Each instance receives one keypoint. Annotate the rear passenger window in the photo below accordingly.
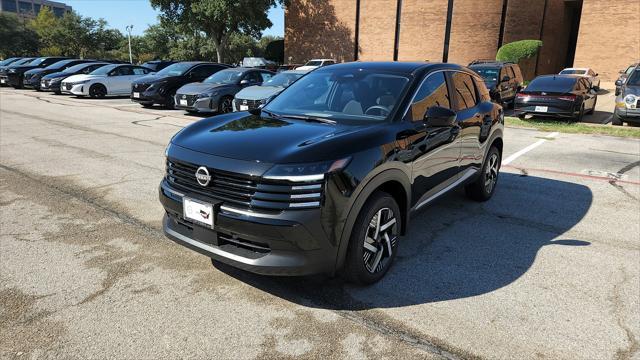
(140, 71)
(433, 92)
(465, 91)
(483, 92)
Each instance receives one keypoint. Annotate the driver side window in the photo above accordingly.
(432, 92)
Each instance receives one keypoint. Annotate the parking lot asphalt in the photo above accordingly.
(549, 268)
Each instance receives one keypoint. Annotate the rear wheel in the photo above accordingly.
(580, 115)
(97, 91)
(374, 240)
(483, 188)
(169, 102)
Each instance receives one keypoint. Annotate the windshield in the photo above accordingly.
(175, 69)
(552, 84)
(634, 79)
(59, 64)
(313, 63)
(490, 75)
(103, 70)
(76, 68)
(630, 69)
(37, 61)
(573, 72)
(7, 61)
(283, 79)
(344, 96)
(228, 76)
(253, 62)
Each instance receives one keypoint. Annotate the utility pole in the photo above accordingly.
(129, 28)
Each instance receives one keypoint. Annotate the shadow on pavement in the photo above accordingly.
(455, 249)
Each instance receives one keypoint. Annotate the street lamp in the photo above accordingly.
(129, 28)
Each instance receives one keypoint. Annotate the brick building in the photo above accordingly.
(28, 9)
(602, 34)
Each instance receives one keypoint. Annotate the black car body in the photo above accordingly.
(32, 78)
(503, 79)
(157, 65)
(8, 61)
(4, 78)
(323, 178)
(628, 100)
(159, 88)
(565, 96)
(51, 82)
(15, 75)
(215, 93)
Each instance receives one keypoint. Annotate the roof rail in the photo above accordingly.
(489, 61)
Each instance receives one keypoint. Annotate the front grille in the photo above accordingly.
(191, 99)
(245, 191)
(140, 87)
(46, 83)
(251, 104)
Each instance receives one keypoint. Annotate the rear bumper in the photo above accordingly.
(268, 244)
(520, 110)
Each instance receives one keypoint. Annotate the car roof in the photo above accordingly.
(294, 72)
(576, 68)
(558, 76)
(391, 66)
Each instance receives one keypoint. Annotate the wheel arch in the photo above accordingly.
(394, 182)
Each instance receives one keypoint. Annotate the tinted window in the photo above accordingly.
(634, 79)
(122, 71)
(552, 84)
(432, 92)
(204, 71)
(465, 90)
(265, 76)
(175, 69)
(253, 77)
(573, 72)
(313, 63)
(283, 79)
(227, 76)
(140, 71)
(9, 5)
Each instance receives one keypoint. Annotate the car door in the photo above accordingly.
(472, 113)
(433, 152)
(119, 81)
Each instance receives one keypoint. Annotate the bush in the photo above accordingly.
(518, 50)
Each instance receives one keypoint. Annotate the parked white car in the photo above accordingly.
(316, 63)
(584, 72)
(110, 80)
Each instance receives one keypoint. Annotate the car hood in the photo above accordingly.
(82, 77)
(258, 92)
(56, 75)
(23, 68)
(150, 79)
(244, 136)
(199, 88)
(35, 71)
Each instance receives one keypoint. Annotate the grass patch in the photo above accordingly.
(573, 128)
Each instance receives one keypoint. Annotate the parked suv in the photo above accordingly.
(32, 78)
(624, 74)
(15, 74)
(324, 177)
(159, 88)
(628, 100)
(503, 79)
(157, 65)
(4, 69)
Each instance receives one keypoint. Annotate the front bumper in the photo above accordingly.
(628, 115)
(4, 80)
(13, 79)
(77, 89)
(46, 85)
(195, 104)
(283, 243)
(32, 82)
(148, 97)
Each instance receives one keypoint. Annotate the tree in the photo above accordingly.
(46, 25)
(518, 50)
(16, 39)
(217, 19)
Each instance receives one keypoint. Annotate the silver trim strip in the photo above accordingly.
(306, 187)
(467, 174)
(305, 196)
(210, 249)
(172, 191)
(245, 212)
(300, 178)
(304, 204)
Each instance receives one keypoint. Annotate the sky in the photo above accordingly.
(140, 14)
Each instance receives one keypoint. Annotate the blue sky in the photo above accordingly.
(140, 14)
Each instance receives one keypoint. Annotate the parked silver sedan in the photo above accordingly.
(254, 96)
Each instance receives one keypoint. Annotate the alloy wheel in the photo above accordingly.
(225, 106)
(380, 240)
(491, 173)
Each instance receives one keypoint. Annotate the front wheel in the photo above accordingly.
(483, 188)
(97, 91)
(226, 105)
(373, 244)
(616, 120)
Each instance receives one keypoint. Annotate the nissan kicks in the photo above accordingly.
(323, 178)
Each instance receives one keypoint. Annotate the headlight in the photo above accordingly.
(56, 80)
(305, 172)
(80, 82)
(205, 95)
(12, 71)
(630, 99)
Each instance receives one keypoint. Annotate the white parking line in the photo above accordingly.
(516, 155)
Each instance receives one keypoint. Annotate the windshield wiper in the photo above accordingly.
(310, 118)
(271, 114)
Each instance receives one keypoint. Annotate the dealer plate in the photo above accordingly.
(136, 95)
(198, 211)
(244, 107)
(183, 102)
(542, 108)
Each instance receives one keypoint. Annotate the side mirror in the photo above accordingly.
(618, 82)
(438, 116)
(618, 92)
(506, 78)
(244, 82)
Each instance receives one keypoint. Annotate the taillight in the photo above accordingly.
(567, 98)
(521, 95)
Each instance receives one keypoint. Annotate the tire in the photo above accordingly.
(485, 185)
(580, 116)
(593, 109)
(370, 237)
(521, 116)
(147, 106)
(97, 91)
(616, 120)
(169, 102)
(225, 105)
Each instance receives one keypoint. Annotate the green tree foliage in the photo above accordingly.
(518, 50)
(16, 39)
(217, 19)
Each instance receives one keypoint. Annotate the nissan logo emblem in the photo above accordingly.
(202, 175)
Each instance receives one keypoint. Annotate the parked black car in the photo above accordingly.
(503, 79)
(15, 75)
(159, 88)
(4, 78)
(628, 100)
(8, 61)
(216, 92)
(557, 95)
(157, 65)
(324, 177)
(51, 82)
(33, 77)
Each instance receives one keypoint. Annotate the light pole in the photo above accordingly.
(129, 28)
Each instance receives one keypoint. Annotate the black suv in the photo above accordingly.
(4, 69)
(503, 79)
(157, 65)
(324, 177)
(160, 88)
(32, 78)
(15, 74)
